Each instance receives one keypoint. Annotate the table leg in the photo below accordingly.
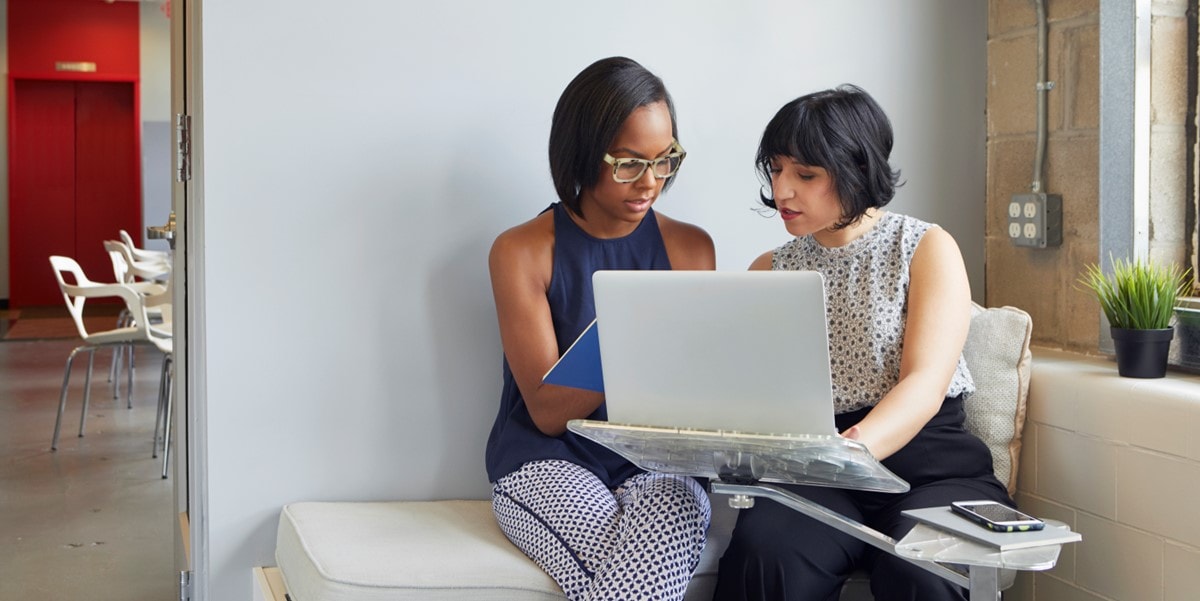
(985, 583)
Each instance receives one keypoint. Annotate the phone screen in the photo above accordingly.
(999, 513)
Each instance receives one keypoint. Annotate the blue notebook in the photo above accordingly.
(579, 367)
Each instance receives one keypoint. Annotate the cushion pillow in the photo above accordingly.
(997, 354)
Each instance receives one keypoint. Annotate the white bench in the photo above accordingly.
(428, 550)
(453, 550)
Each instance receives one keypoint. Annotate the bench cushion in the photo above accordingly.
(400, 551)
(428, 550)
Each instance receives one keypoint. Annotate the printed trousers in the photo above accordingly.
(641, 540)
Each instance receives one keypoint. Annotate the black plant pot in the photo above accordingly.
(1142, 353)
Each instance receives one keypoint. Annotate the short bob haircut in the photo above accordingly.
(843, 131)
(588, 116)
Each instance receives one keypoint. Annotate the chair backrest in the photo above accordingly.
(75, 302)
(129, 269)
(140, 254)
(118, 253)
(76, 292)
(127, 239)
(155, 293)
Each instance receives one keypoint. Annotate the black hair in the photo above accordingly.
(588, 116)
(845, 132)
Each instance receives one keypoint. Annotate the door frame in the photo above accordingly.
(190, 466)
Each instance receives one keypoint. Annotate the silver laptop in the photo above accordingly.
(723, 375)
(744, 351)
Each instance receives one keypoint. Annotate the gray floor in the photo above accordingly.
(93, 520)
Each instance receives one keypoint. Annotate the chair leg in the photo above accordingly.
(129, 381)
(62, 398)
(118, 359)
(122, 321)
(87, 390)
(112, 367)
(162, 400)
(170, 372)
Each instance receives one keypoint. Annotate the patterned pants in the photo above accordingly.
(640, 541)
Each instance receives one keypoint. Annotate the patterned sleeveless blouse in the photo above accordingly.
(866, 303)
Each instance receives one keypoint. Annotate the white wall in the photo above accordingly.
(359, 160)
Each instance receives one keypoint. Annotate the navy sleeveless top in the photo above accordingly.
(515, 440)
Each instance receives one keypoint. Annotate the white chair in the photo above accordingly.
(156, 295)
(137, 332)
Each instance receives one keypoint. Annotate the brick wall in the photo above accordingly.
(1043, 282)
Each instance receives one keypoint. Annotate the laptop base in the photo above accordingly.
(745, 458)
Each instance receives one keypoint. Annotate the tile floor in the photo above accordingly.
(93, 520)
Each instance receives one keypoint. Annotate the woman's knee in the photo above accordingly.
(680, 496)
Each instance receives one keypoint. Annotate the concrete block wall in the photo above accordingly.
(1043, 282)
(1118, 460)
(1170, 228)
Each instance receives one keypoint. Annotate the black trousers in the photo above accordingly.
(778, 553)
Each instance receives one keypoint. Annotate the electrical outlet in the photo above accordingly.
(1035, 220)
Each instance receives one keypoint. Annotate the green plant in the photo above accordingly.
(1138, 295)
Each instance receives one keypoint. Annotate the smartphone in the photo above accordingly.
(997, 516)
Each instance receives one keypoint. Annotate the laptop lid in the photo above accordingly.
(745, 351)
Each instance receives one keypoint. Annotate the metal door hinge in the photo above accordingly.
(185, 586)
(183, 153)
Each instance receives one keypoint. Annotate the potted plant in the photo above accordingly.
(1138, 298)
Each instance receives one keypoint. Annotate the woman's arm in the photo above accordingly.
(939, 315)
(763, 262)
(520, 263)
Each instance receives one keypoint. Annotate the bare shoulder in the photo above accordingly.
(524, 246)
(937, 265)
(531, 236)
(937, 246)
(763, 262)
(688, 245)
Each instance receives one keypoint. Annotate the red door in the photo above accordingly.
(74, 180)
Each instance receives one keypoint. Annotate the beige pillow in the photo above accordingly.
(997, 353)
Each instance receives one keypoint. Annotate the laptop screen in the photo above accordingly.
(742, 351)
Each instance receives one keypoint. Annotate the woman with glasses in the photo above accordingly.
(899, 307)
(602, 528)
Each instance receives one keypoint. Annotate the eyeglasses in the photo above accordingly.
(631, 170)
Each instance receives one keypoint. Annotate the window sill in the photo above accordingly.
(1084, 394)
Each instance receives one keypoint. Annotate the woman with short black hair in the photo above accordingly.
(898, 307)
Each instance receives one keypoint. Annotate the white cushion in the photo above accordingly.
(997, 354)
(401, 551)
(430, 550)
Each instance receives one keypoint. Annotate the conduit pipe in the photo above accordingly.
(1043, 88)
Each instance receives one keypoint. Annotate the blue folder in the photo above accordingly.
(579, 367)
